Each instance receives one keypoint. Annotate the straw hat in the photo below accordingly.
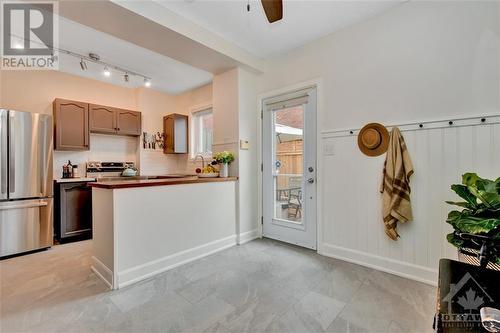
(373, 139)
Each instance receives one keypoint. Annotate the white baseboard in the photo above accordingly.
(396, 267)
(144, 271)
(248, 236)
(102, 271)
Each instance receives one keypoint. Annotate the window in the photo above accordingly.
(202, 133)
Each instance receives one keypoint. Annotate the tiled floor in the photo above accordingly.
(262, 286)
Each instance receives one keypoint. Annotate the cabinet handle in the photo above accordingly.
(118, 129)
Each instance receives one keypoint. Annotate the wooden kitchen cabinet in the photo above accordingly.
(110, 120)
(73, 121)
(71, 125)
(128, 122)
(73, 213)
(175, 127)
(102, 119)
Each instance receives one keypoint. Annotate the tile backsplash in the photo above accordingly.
(123, 149)
(102, 148)
(154, 162)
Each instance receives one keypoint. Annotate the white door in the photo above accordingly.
(289, 168)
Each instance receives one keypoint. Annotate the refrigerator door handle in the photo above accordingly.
(12, 161)
(3, 151)
(24, 205)
(26, 225)
(45, 155)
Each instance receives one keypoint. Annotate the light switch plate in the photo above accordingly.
(328, 149)
(244, 145)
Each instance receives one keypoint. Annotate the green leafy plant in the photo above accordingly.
(481, 209)
(224, 157)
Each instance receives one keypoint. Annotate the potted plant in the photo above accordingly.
(477, 225)
(224, 158)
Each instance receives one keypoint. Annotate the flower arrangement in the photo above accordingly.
(224, 157)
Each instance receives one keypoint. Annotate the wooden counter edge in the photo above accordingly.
(157, 182)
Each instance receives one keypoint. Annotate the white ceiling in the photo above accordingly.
(166, 74)
(303, 21)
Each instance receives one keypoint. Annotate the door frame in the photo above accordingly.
(313, 83)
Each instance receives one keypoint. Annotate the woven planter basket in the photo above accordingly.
(473, 260)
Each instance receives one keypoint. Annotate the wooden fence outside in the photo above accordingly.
(290, 155)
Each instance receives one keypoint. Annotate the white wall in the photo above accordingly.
(418, 61)
(184, 104)
(235, 118)
(225, 106)
(154, 105)
(248, 170)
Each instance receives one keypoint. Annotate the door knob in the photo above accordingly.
(310, 180)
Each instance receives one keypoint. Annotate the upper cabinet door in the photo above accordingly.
(71, 120)
(128, 122)
(175, 127)
(102, 119)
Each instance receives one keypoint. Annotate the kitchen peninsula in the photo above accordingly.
(130, 246)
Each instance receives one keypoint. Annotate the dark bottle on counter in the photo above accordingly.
(65, 173)
(70, 169)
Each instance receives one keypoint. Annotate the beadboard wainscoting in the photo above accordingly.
(352, 227)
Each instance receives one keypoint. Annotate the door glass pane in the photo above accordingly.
(288, 125)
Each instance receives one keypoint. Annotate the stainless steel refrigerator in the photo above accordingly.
(26, 204)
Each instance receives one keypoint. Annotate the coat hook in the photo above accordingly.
(483, 120)
(421, 125)
(450, 123)
(351, 132)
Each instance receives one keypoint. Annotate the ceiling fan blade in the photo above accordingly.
(273, 9)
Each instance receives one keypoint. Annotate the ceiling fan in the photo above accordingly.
(273, 9)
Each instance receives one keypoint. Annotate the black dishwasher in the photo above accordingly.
(73, 211)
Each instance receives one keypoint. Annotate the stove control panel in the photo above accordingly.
(95, 166)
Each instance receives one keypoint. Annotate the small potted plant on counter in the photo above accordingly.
(477, 226)
(224, 159)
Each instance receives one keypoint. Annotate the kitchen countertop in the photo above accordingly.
(131, 217)
(117, 184)
(74, 180)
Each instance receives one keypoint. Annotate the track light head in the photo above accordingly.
(106, 71)
(147, 82)
(94, 56)
(83, 65)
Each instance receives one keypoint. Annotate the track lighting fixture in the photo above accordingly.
(106, 71)
(96, 59)
(83, 65)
